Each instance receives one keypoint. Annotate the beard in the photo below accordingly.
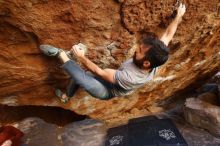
(138, 63)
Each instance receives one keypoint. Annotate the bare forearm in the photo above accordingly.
(171, 30)
(106, 74)
(90, 65)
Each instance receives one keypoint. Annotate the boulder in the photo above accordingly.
(209, 98)
(203, 114)
(82, 133)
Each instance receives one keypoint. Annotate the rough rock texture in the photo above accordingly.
(194, 136)
(203, 114)
(83, 133)
(108, 28)
(203, 111)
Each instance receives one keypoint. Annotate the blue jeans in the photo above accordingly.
(94, 85)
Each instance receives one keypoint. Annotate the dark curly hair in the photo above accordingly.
(158, 52)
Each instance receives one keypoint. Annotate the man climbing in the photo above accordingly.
(132, 74)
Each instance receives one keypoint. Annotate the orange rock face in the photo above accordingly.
(107, 28)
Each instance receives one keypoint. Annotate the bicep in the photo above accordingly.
(125, 79)
(108, 75)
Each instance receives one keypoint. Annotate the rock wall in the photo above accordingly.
(108, 28)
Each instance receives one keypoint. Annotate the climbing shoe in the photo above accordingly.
(49, 50)
(59, 94)
(53, 51)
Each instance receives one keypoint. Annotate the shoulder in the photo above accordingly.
(126, 64)
(129, 61)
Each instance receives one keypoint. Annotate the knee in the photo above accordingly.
(99, 93)
(103, 97)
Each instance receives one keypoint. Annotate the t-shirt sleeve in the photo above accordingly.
(155, 71)
(124, 79)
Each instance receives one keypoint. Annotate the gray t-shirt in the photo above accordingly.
(130, 77)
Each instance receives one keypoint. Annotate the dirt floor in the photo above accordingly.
(193, 135)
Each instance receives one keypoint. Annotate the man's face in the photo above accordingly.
(139, 55)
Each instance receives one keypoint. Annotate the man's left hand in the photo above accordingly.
(181, 10)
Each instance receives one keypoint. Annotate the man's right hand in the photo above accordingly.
(181, 10)
(79, 53)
